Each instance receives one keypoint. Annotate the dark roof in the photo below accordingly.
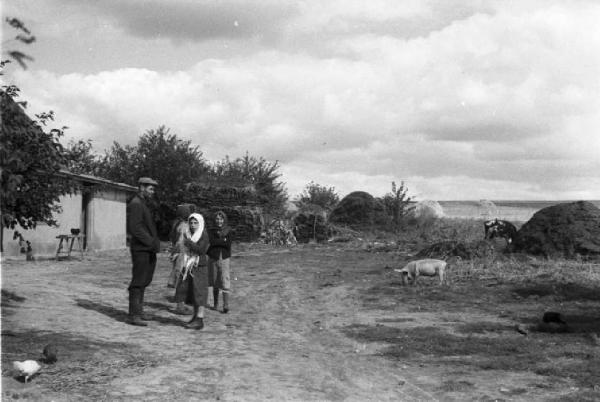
(86, 178)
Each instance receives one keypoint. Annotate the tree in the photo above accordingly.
(81, 158)
(159, 154)
(257, 172)
(317, 195)
(30, 158)
(397, 204)
(171, 161)
(23, 36)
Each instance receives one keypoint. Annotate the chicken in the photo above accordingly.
(27, 368)
(49, 354)
(551, 316)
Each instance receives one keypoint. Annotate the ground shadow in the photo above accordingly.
(121, 315)
(110, 311)
(9, 297)
(10, 300)
(159, 306)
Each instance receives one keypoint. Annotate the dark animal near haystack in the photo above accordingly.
(499, 228)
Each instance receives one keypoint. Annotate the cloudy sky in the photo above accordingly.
(459, 99)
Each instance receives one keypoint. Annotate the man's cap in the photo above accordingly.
(147, 180)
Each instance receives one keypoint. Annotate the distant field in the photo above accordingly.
(517, 211)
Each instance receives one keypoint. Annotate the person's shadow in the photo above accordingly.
(121, 316)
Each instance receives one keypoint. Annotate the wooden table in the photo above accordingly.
(68, 248)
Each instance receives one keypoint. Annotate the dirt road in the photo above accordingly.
(291, 334)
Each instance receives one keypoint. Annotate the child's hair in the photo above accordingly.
(221, 214)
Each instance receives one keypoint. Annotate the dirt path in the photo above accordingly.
(280, 341)
(285, 338)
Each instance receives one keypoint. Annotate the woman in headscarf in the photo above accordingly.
(193, 284)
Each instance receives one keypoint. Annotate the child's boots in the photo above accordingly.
(225, 302)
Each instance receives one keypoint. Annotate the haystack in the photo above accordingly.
(426, 210)
(358, 210)
(487, 209)
(563, 230)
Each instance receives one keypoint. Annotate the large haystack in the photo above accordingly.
(359, 209)
(563, 230)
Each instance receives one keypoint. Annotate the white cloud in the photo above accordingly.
(494, 102)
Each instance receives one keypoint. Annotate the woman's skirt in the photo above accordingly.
(194, 288)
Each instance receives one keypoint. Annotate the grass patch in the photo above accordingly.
(585, 372)
(566, 358)
(402, 319)
(418, 341)
(483, 327)
(560, 291)
(456, 386)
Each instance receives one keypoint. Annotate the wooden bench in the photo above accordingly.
(68, 248)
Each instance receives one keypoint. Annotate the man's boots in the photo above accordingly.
(143, 315)
(225, 302)
(135, 308)
(216, 297)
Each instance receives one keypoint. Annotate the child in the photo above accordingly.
(219, 255)
(193, 285)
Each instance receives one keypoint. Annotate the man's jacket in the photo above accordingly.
(141, 226)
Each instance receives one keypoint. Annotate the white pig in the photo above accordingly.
(429, 267)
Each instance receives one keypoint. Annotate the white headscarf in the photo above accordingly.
(191, 260)
(198, 233)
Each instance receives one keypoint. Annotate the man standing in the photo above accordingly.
(144, 244)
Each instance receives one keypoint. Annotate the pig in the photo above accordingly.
(428, 267)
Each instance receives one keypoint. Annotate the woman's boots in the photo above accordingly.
(197, 321)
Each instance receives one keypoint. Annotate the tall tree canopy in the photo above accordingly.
(257, 172)
(31, 160)
(172, 161)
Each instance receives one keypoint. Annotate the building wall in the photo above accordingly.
(43, 237)
(106, 225)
